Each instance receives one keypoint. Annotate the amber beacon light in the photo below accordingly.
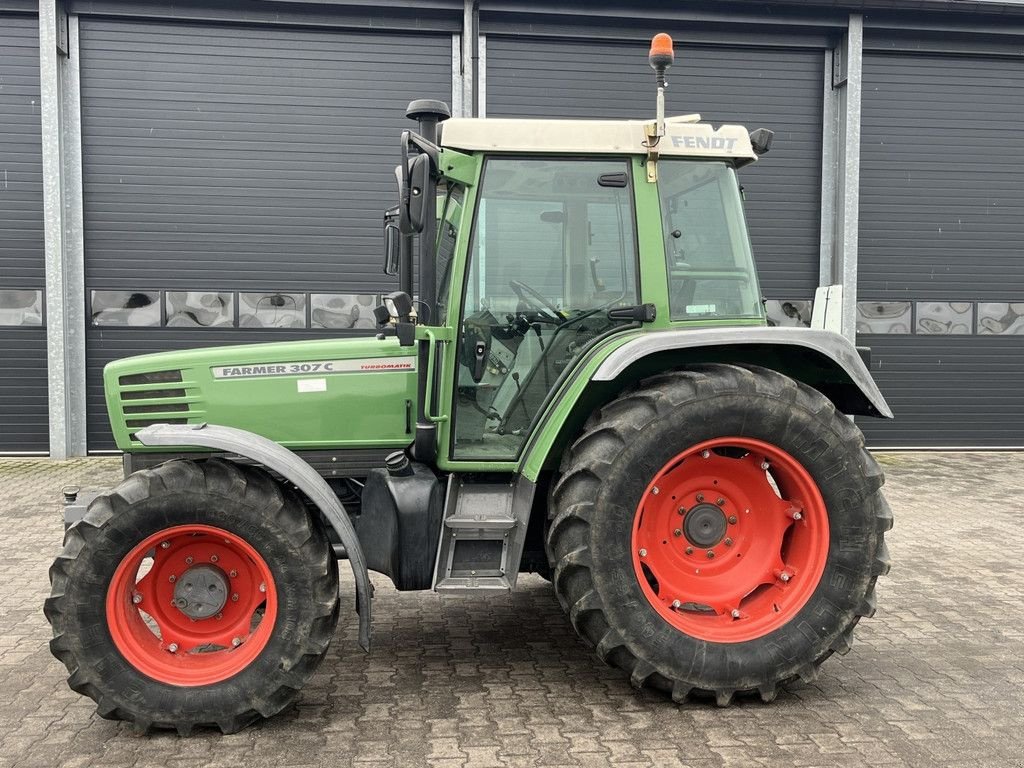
(661, 57)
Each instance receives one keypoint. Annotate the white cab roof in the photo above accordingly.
(684, 136)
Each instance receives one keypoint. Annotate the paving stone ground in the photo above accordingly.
(935, 679)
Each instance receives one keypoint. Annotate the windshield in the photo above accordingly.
(710, 266)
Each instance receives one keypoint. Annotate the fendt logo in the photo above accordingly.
(704, 142)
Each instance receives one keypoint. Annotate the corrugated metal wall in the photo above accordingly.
(23, 392)
(775, 88)
(231, 158)
(941, 238)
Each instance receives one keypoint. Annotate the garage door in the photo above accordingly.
(235, 179)
(780, 89)
(23, 393)
(941, 285)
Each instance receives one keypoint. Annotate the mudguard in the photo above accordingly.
(827, 346)
(296, 471)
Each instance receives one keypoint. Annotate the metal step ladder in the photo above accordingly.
(482, 535)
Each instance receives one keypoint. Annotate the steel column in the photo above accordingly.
(840, 183)
(60, 113)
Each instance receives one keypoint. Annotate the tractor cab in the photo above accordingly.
(552, 234)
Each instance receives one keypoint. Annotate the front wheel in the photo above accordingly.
(193, 594)
(718, 531)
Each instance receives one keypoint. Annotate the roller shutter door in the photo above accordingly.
(774, 88)
(235, 179)
(941, 283)
(23, 392)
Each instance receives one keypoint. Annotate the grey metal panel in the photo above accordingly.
(948, 391)
(942, 220)
(21, 169)
(244, 157)
(239, 158)
(23, 390)
(942, 214)
(774, 88)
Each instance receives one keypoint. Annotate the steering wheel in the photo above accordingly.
(539, 301)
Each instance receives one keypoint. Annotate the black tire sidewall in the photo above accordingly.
(833, 464)
(90, 578)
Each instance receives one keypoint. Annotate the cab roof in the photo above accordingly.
(685, 136)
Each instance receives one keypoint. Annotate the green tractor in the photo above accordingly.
(585, 387)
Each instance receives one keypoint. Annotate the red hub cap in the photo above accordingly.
(191, 605)
(730, 539)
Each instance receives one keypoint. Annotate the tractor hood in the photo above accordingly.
(329, 394)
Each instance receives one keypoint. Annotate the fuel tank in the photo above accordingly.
(329, 393)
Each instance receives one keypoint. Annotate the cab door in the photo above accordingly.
(553, 249)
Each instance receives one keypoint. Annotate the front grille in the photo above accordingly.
(154, 377)
(146, 403)
(149, 394)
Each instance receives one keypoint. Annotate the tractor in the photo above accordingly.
(580, 382)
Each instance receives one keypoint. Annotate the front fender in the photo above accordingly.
(821, 359)
(293, 469)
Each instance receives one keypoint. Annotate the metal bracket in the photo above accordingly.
(293, 469)
(653, 139)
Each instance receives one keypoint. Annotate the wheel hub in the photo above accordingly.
(201, 592)
(704, 525)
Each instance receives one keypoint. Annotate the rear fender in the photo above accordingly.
(820, 359)
(293, 469)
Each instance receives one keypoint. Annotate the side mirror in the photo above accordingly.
(761, 140)
(392, 242)
(415, 202)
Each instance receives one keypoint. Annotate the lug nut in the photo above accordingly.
(214, 558)
(172, 578)
(233, 574)
(732, 519)
(764, 465)
(681, 510)
(797, 516)
(173, 647)
(705, 454)
(677, 532)
(136, 598)
(689, 550)
(710, 553)
(236, 641)
(263, 587)
(188, 560)
(720, 501)
(700, 497)
(676, 604)
(234, 598)
(643, 553)
(728, 542)
(784, 577)
(735, 613)
(219, 616)
(655, 490)
(165, 545)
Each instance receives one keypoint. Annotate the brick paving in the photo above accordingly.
(935, 679)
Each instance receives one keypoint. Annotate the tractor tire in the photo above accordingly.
(233, 615)
(718, 531)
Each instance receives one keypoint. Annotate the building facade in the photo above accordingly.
(203, 173)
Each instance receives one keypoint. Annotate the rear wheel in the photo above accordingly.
(718, 531)
(193, 594)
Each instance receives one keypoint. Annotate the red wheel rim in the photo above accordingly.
(158, 634)
(730, 539)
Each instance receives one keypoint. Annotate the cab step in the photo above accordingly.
(482, 536)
